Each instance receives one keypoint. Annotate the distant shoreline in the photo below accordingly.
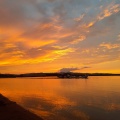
(52, 74)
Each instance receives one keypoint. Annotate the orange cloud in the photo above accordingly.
(64, 51)
(79, 18)
(39, 43)
(90, 24)
(19, 57)
(33, 34)
(110, 46)
(80, 38)
(118, 38)
(111, 9)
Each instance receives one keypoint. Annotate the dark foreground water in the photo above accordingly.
(96, 98)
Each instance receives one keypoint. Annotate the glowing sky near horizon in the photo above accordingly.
(47, 35)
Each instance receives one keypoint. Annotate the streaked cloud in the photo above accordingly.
(47, 31)
(77, 40)
(110, 46)
(66, 70)
(109, 10)
(118, 38)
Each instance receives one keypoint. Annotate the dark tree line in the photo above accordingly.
(52, 74)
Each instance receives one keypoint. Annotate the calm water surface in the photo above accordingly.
(96, 98)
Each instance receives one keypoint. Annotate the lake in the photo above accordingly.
(95, 98)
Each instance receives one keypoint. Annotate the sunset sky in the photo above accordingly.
(47, 35)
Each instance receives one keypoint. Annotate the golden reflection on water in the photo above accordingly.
(66, 99)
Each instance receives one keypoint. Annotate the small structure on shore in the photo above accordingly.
(66, 73)
(72, 75)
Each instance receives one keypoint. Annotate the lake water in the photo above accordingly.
(95, 98)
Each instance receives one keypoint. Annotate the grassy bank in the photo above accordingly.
(10, 110)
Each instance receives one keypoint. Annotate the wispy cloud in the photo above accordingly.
(43, 31)
(77, 40)
(110, 46)
(65, 70)
(109, 10)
